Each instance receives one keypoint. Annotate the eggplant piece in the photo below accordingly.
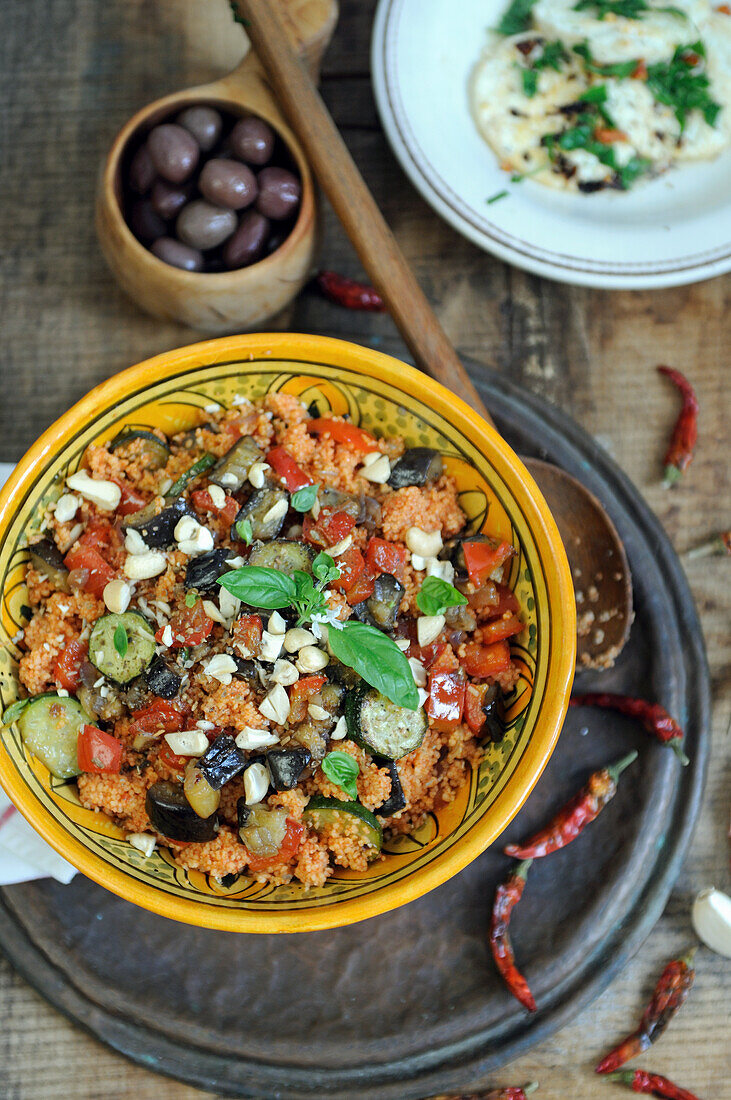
(222, 760)
(263, 513)
(493, 707)
(312, 736)
(47, 559)
(331, 695)
(261, 829)
(370, 515)
(162, 680)
(203, 571)
(158, 527)
(171, 814)
(248, 670)
(417, 466)
(136, 694)
(396, 800)
(155, 453)
(283, 555)
(342, 675)
(229, 880)
(231, 471)
(461, 617)
(363, 614)
(365, 510)
(286, 767)
(383, 605)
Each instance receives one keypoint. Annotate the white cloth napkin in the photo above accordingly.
(24, 855)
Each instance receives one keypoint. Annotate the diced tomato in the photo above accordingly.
(343, 433)
(640, 72)
(287, 849)
(160, 716)
(171, 759)
(474, 715)
(328, 530)
(67, 670)
(605, 135)
(100, 534)
(507, 601)
(130, 501)
(286, 468)
(202, 502)
(100, 574)
(498, 629)
(386, 557)
(361, 589)
(351, 565)
(98, 751)
(247, 635)
(443, 660)
(300, 695)
(483, 661)
(446, 699)
(482, 558)
(189, 626)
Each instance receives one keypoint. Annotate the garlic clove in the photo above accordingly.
(711, 917)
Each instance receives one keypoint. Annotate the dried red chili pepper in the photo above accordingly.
(507, 896)
(721, 544)
(672, 988)
(515, 1092)
(651, 1084)
(685, 432)
(350, 293)
(653, 717)
(599, 789)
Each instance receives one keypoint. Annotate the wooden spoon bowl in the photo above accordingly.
(218, 303)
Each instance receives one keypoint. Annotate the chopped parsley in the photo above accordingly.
(551, 56)
(679, 85)
(629, 9)
(582, 136)
(516, 18)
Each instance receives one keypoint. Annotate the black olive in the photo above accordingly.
(161, 679)
(203, 571)
(221, 761)
(158, 531)
(286, 767)
(396, 799)
(417, 466)
(171, 814)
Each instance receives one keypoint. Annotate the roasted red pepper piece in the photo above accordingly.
(100, 573)
(349, 292)
(328, 529)
(482, 661)
(497, 630)
(189, 626)
(583, 808)
(507, 602)
(130, 501)
(98, 751)
(685, 433)
(342, 432)
(653, 717)
(100, 534)
(482, 558)
(300, 695)
(287, 849)
(67, 670)
(474, 715)
(203, 502)
(386, 557)
(361, 589)
(446, 699)
(507, 896)
(285, 467)
(651, 1084)
(171, 759)
(160, 717)
(248, 630)
(351, 565)
(670, 992)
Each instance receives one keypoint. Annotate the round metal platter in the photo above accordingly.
(408, 1004)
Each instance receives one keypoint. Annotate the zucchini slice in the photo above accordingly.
(50, 726)
(122, 662)
(231, 471)
(282, 555)
(324, 813)
(155, 452)
(381, 727)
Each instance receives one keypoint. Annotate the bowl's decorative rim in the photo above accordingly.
(561, 625)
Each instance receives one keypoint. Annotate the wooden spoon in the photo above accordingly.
(588, 534)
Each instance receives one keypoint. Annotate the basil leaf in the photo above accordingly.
(121, 641)
(260, 587)
(245, 531)
(14, 711)
(190, 599)
(342, 770)
(516, 18)
(325, 569)
(304, 498)
(376, 658)
(436, 595)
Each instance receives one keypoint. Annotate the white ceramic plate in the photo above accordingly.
(672, 230)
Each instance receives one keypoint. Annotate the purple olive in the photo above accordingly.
(174, 152)
(252, 140)
(167, 199)
(144, 222)
(141, 171)
(202, 225)
(279, 193)
(204, 123)
(248, 242)
(228, 183)
(179, 255)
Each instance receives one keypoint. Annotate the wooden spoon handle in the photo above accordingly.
(353, 203)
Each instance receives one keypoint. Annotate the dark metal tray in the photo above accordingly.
(408, 1004)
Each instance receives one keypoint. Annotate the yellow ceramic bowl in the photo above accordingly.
(172, 391)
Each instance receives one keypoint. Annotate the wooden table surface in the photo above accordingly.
(72, 71)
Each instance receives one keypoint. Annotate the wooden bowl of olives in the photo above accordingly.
(206, 208)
